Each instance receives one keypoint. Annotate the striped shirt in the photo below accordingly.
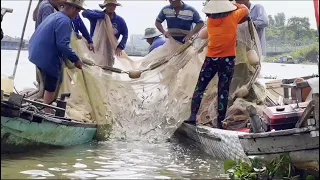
(179, 25)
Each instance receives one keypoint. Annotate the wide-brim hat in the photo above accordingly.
(77, 3)
(151, 33)
(106, 2)
(218, 6)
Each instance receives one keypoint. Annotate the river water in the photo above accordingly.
(118, 159)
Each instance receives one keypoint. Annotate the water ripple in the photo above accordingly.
(114, 160)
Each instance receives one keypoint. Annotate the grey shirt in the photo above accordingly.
(45, 9)
(260, 20)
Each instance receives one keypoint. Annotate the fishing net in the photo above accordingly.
(153, 106)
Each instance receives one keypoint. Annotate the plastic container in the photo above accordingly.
(282, 117)
(6, 84)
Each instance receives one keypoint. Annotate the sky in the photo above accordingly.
(142, 14)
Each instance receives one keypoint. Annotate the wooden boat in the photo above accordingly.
(24, 127)
(302, 143)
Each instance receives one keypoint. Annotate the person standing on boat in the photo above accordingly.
(47, 7)
(260, 20)
(223, 18)
(50, 43)
(78, 25)
(154, 38)
(35, 11)
(180, 18)
(118, 23)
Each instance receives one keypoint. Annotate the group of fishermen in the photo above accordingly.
(50, 42)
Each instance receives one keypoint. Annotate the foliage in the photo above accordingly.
(293, 29)
(278, 168)
(309, 53)
(305, 54)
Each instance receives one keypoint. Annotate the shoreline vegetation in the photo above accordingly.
(292, 37)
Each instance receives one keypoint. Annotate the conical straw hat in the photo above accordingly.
(218, 6)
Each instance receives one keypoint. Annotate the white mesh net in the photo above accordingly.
(154, 105)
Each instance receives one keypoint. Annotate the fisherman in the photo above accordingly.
(260, 20)
(50, 42)
(118, 23)
(78, 25)
(180, 18)
(223, 18)
(35, 11)
(47, 7)
(154, 38)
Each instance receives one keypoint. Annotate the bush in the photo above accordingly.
(307, 54)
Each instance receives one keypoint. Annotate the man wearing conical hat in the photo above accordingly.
(118, 23)
(223, 19)
(180, 19)
(153, 37)
(50, 43)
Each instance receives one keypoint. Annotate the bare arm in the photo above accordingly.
(198, 21)
(197, 28)
(204, 33)
(159, 27)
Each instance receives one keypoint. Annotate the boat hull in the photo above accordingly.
(213, 141)
(19, 135)
(224, 144)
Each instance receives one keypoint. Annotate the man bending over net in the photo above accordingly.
(49, 43)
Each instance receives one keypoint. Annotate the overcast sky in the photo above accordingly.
(142, 14)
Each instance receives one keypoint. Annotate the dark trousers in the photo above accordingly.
(225, 68)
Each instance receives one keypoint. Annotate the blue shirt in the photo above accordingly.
(80, 26)
(118, 23)
(50, 42)
(45, 9)
(158, 41)
(179, 24)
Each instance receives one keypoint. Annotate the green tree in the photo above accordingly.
(271, 20)
(301, 27)
(280, 19)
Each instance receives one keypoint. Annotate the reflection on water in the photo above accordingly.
(113, 160)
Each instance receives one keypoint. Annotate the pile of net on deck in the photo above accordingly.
(155, 105)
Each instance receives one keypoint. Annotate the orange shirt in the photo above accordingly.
(223, 33)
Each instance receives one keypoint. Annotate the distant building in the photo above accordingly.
(10, 43)
(137, 46)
